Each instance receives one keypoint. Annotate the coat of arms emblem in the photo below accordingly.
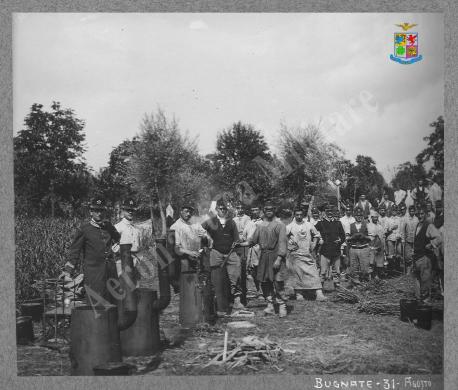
(406, 45)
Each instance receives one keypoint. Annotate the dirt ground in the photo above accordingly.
(317, 338)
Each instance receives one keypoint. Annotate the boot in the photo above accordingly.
(237, 304)
(269, 309)
(320, 296)
(282, 310)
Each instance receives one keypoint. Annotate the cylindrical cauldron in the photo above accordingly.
(24, 330)
(143, 337)
(95, 338)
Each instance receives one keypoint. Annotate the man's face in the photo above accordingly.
(186, 214)
(127, 214)
(96, 215)
(329, 213)
(315, 215)
(382, 212)
(429, 206)
(348, 211)
(362, 198)
(255, 212)
(359, 216)
(269, 212)
(420, 183)
(394, 212)
(421, 215)
(385, 196)
(402, 210)
(374, 219)
(412, 212)
(239, 209)
(299, 216)
(222, 211)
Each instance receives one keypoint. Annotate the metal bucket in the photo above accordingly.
(407, 309)
(424, 316)
(94, 338)
(34, 310)
(24, 330)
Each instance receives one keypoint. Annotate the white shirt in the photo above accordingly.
(129, 234)
(241, 222)
(346, 222)
(187, 235)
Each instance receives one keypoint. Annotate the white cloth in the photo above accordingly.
(409, 200)
(346, 222)
(391, 223)
(399, 196)
(435, 193)
(129, 234)
(169, 211)
(241, 223)
(255, 251)
(187, 235)
(302, 234)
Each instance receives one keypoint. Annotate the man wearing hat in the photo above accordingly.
(302, 271)
(94, 241)
(427, 239)
(364, 205)
(407, 231)
(393, 237)
(271, 237)
(359, 248)
(333, 237)
(129, 233)
(386, 202)
(377, 246)
(223, 231)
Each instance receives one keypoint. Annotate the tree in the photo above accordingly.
(407, 174)
(165, 167)
(114, 182)
(364, 178)
(308, 162)
(234, 165)
(49, 167)
(434, 151)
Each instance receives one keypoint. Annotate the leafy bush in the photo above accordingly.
(41, 248)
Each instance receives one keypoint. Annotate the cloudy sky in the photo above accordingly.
(210, 70)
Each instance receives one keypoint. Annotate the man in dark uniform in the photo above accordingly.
(94, 240)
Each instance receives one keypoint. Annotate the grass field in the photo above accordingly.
(320, 338)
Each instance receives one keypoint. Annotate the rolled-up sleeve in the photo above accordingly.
(282, 241)
(434, 235)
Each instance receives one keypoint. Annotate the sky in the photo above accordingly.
(211, 70)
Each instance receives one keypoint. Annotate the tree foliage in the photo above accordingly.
(308, 162)
(434, 151)
(49, 168)
(234, 162)
(407, 175)
(165, 167)
(364, 178)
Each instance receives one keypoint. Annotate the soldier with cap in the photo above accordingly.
(333, 237)
(94, 241)
(271, 237)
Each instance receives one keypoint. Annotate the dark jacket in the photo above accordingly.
(330, 231)
(223, 237)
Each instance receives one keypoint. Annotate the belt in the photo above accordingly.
(360, 246)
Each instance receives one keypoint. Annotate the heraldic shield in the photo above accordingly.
(406, 48)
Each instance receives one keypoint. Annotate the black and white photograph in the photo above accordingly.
(230, 194)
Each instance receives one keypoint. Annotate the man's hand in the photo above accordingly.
(193, 254)
(65, 276)
(277, 263)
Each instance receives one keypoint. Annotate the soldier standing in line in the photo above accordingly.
(94, 240)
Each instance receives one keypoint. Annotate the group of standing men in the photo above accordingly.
(299, 254)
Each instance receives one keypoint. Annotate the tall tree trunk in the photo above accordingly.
(163, 221)
(53, 200)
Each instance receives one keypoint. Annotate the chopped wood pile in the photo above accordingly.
(247, 352)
